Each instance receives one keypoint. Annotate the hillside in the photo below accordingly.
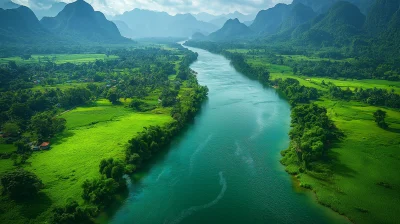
(380, 15)
(50, 12)
(232, 29)
(7, 4)
(322, 6)
(79, 21)
(338, 26)
(268, 21)
(20, 25)
(145, 23)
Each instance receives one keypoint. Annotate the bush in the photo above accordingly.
(72, 213)
(21, 184)
(100, 191)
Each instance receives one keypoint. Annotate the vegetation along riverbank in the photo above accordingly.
(102, 118)
(337, 149)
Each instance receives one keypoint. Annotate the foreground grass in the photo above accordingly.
(364, 184)
(93, 133)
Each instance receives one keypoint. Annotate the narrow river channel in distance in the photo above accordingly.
(225, 167)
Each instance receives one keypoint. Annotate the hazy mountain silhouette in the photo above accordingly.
(79, 21)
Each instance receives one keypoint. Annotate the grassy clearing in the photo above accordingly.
(59, 58)
(93, 133)
(313, 58)
(365, 185)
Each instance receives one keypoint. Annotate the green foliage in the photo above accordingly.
(100, 192)
(111, 168)
(113, 96)
(21, 184)
(73, 213)
(380, 117)
(295, 92)
(312, 133)
(45, 125)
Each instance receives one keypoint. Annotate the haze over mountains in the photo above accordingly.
(303, 21)
(76, 23)
(145, 23)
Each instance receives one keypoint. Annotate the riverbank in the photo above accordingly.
(361, 168)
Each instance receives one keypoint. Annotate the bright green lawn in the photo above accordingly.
(93, 133)
(60, 58)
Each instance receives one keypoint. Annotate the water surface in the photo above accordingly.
(225, 168)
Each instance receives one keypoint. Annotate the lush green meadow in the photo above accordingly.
(59, 58)
(365, 164)
(93, 133)
(361, 179)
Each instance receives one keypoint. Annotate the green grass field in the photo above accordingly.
(313, 58)
(365, 185)
(59, 58)
(93, 133)
(367, 157)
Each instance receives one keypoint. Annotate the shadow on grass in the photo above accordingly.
(394, 130)
(61, 138)
(34, 207)
(339, 168)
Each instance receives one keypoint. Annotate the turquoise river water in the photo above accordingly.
(225, 167)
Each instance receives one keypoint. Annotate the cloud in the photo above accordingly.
(215, 7)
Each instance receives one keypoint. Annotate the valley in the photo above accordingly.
(199, 112)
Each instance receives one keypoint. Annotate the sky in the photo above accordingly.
(216, 7)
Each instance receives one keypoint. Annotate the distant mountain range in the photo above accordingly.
(20, 25)
(7, 4)
(316, 22)
(232, 29)
(50, 12)
(145, 23)
(78, 20)
(219, 20)
(76, 23)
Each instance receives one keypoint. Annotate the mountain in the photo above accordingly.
(339, 25)
(232, 29)
(50, 12)
(123, 28)
(380, 15)
(145, 23)
(269, 21)
(322, 6)
(20, 25)
(298, 15)
(7, 4)
(78, 21)
(198, 36)
(205, 17)
(219, 22)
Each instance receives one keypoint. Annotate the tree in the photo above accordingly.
(113, 96)
(99, 191)
(72, 213)
(380, 116)
(44, 125)
(11, 129)
(20, 184)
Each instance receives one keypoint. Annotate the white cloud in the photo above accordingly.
(171, 6)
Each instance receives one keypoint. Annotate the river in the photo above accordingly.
(225, 167)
